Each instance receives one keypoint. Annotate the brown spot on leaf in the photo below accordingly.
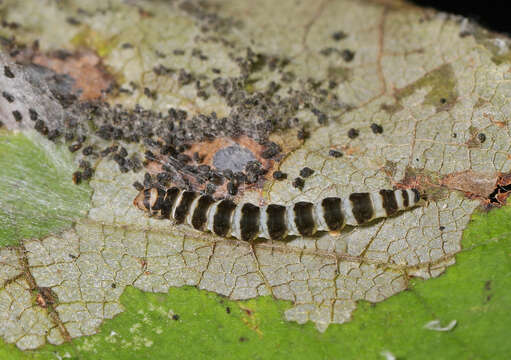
(415, 181)
(500, 124)
(473, 184)
(40, 301)
(391, 108)
(144, 13)
(85, 67)
(45, 297)
(390, 168)
(350, 150)
(475, 138)
(250, 320)
(143, 263)
(209, 149)
(491, 189)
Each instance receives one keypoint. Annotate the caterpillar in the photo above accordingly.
(246, 221)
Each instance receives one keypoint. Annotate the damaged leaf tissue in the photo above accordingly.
(197, 179)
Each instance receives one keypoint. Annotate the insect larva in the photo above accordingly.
(246, 221)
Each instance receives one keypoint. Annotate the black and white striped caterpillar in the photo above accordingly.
(246, 221)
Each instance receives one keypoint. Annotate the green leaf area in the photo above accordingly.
(188, 323)
(37, 195)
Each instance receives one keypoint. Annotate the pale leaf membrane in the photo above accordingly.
(429, 89)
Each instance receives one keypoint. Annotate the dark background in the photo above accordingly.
(493, 15)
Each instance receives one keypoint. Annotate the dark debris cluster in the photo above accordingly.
(254, 113)
(206, 16)
(185, 174)
(97, 130)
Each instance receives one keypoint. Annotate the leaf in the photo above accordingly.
(474, 293)
(439, 95)
(45, 185)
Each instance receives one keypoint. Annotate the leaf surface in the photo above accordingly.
(438, 87)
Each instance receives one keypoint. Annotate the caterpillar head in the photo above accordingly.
(421, 197)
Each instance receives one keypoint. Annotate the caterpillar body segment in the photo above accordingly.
(246, 221)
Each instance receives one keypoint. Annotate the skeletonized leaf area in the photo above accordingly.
(389, 96)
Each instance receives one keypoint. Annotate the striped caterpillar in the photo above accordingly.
(246, 221)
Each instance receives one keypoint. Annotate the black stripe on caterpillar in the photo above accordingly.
(246, 221)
